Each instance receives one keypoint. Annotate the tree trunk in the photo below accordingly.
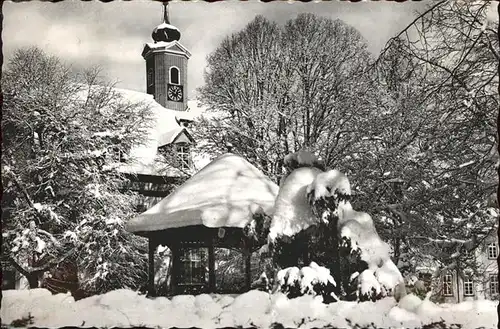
(33, 280)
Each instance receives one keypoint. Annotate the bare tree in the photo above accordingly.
(437, 165)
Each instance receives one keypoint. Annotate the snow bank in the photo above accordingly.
(125, 308)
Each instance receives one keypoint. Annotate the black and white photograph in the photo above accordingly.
(250, 164)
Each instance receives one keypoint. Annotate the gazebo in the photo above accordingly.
(208, 211)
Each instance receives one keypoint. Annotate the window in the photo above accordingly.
(448, 285)
(468, 287)
(492, 250)
(494, 284)
(183, 157)
(150, 77)
(174, 75)
(194, 265)
(229, 270)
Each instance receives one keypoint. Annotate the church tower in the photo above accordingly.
(166, 65)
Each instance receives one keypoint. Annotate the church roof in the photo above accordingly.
(174, 47)
(225, 193)
(164, 130)
(170, 136)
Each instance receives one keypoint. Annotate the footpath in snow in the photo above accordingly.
(125, 308)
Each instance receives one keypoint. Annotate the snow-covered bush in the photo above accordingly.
(258, 228)
(314, 221)
(309, 280)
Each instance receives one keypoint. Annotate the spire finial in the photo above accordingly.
(165, 31)
(165, 12)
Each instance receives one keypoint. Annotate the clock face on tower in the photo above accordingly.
(174, 93)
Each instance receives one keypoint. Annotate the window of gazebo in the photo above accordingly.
(193, 266)
(229, 270)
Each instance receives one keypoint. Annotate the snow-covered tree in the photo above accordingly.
(430, 153)
(276, 89)
(315, 224)
(423, 162)
(63, 136)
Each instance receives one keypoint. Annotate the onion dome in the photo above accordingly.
(165, 32)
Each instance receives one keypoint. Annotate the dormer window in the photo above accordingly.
(183, 156)
(492, 250)
(174, 75)
(183, 123)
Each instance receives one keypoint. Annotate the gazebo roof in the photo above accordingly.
(225, 193)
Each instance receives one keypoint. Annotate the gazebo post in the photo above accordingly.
(151, 270)
(175, 267)
(248, 278)
(211, 268)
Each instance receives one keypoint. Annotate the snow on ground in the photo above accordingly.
(125, 308)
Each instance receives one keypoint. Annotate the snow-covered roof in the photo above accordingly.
(165, 128)
(225, 193)
(166, 26)
(172, 46)
(170, 136)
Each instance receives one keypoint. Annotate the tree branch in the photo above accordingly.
(40, 269)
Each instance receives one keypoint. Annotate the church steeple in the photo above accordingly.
(167, 65)
(165, 31)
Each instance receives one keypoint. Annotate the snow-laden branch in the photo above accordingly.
(449, 242)
(50, 236)
(30, 270)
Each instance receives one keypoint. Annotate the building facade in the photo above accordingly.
(477, 282)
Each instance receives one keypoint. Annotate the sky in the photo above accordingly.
(112, 35)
